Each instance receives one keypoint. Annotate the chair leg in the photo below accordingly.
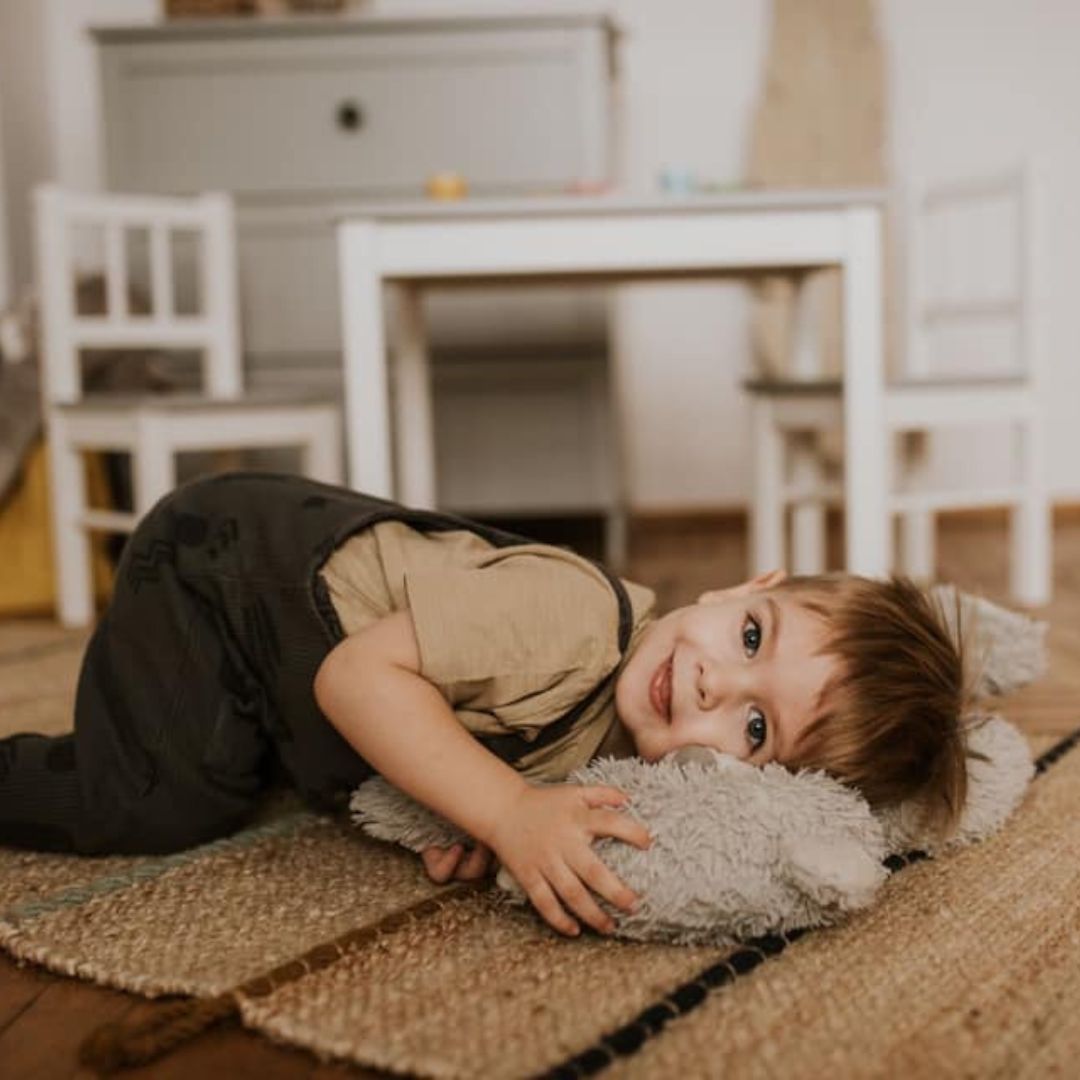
(72, 557)
(918, 545)
(611, 421)
(918, 539)
(767, 499)
(808, 538)
(807, 517)
(1031, 554)
(413, 420)
(322, 452)
(616, 538)
(153, 466)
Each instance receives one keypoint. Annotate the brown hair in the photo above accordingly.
(890, 723)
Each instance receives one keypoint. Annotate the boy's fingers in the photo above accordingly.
(547, 904)
(604, 796)
(622, 827)
(582, 903)
(432, 864)
(605, 883)
(474, 865)
(440, 863)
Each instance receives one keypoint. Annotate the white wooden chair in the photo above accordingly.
(152, 428)
(970, 263)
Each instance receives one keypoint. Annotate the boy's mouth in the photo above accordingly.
(660, 690)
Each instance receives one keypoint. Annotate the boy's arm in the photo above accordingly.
(371, 690)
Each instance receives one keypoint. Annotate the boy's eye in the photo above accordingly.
(757, 728)
(751, 635)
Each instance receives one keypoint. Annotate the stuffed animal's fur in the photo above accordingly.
(739, 850)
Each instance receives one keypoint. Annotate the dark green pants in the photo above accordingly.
(196, 690)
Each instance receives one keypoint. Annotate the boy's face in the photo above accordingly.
(739, 672)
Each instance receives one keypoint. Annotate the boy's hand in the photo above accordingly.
(544, 839)
(442, 864)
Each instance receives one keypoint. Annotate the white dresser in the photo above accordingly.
(301, 117)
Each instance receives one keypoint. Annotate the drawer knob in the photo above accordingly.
(350, 117)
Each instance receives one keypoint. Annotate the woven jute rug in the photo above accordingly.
(299, 928)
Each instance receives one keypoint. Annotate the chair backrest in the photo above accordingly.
(970, 276)
(63, 217)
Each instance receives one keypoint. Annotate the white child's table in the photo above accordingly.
(415, 245)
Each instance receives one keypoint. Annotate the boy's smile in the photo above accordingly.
(741, 671)
(660, 689)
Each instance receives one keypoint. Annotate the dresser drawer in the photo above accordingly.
(357, 114)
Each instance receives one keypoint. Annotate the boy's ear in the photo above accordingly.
(762, 581)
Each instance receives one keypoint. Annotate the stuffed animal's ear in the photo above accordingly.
(1004, 649)
(999, 769)
(835, 871)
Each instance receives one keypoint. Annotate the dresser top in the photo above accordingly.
(291, 26)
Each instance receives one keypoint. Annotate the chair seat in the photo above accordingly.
(251, 400)
(774, 387)
(771, 386)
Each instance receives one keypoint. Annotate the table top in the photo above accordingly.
(612, 205)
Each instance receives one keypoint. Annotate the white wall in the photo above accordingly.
(27, 127)
(973, 83)
(48, 82)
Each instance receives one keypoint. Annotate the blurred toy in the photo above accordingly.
(447, 186)
(678, 182)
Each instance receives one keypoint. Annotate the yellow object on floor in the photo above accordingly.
(27, 585)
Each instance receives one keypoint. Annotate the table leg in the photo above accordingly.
(808, 521)
(767, 499)
(414, 437)
(73, 558)
(867, 526)
(617, 525)
(367, 433)
(807, 464)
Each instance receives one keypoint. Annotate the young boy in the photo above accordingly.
(266, 625)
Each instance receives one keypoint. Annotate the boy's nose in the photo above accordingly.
(716, 686)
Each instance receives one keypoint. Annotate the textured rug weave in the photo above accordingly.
(968, 964)
(206, 920)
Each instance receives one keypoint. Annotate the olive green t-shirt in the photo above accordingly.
(512, 637)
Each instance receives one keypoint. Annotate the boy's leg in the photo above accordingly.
(170, 744)
(41, 801)
(169, 747)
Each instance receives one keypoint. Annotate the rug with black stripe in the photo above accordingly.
(969, 964)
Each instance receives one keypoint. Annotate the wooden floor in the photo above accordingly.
(43, 1017)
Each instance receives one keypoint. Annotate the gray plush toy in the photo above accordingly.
(739, 850)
